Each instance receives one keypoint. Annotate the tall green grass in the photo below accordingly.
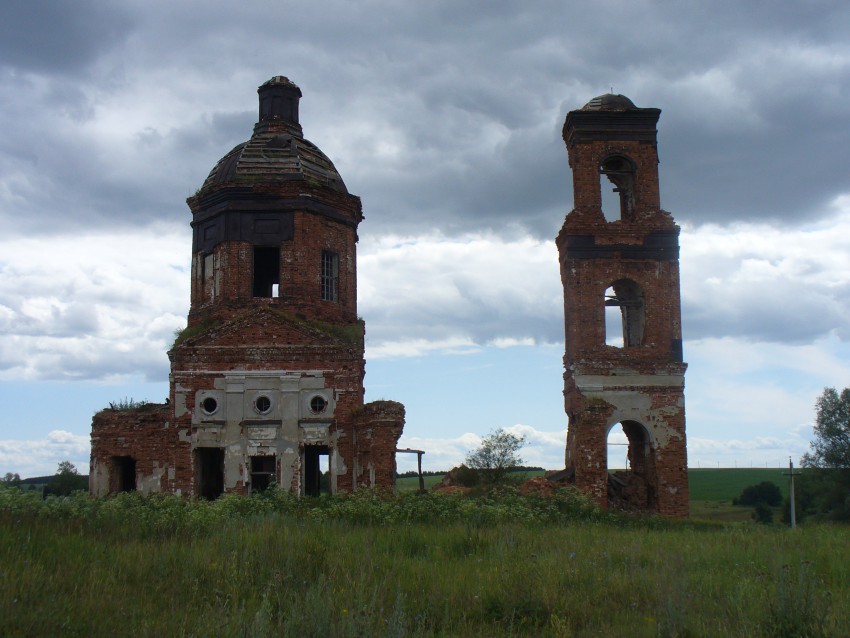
(409, 565)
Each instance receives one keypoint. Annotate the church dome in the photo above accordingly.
(609, 102)
(277, 151)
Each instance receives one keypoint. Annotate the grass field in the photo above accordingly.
(724, 484)
(410, 565)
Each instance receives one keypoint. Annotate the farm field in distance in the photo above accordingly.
(407, 565)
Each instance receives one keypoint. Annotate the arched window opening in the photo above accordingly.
(617, 202)
(631, 468)
(624, 314)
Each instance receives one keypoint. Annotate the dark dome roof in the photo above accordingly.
(277, 151)
(609, 102)
(273, 155)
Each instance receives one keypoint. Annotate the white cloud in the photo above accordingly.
(473, 289)
(91, 306)
(40, 457)
(543, 449)
(766, 283)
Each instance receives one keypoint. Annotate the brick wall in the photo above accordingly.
(378, 426)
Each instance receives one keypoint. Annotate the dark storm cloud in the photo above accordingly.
(439, 115)
(59, 36)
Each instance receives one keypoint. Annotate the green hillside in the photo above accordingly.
(726, 483)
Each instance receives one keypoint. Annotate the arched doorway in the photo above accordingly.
(631, 468)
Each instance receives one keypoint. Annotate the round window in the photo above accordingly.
(209, 405)
(318, 404)
(263, 404)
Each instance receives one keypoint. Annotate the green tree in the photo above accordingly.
(826, 482)
(11, 480)
(65, 468)
(831, 447)
(67, 480)
(497, 455)
(765, 492)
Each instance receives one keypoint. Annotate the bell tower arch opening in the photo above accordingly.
(624, 314)
(617, 202)
(619, 265)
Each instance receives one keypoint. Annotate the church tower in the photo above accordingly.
(274, 225)
(619, 258)
(267, 377)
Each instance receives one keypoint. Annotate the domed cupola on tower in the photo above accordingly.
(273, 223)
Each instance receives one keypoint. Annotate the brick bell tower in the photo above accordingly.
(267, 377)
(625, 263)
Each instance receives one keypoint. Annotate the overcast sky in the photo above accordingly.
(445, 118)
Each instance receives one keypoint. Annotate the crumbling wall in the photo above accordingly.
(148, 436)
(377, 429)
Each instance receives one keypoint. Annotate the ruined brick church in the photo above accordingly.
(267, 378)
(266, 384)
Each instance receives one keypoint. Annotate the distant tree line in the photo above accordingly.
(66, 480)
(414, 473)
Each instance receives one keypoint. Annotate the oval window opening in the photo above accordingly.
(209, 405)
(318, 405)
(263, 404)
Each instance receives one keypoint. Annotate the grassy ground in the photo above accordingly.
(411, 483)
(411, 566)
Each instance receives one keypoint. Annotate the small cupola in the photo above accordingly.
(279, 101)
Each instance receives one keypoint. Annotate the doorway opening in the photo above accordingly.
(209, 470)
(317, 470)
(124, 471)
(631, 477)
